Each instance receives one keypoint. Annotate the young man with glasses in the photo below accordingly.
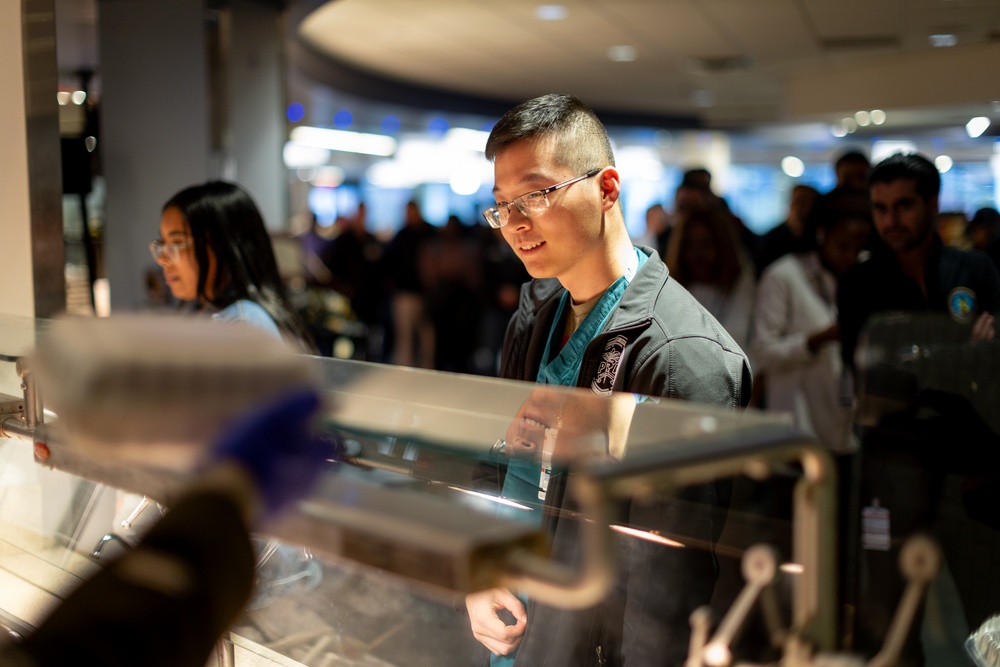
(603, 314)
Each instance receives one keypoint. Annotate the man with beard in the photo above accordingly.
(911, 269)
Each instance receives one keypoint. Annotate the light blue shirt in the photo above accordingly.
(251, 312)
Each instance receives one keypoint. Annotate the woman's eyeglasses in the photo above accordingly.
(161, 250)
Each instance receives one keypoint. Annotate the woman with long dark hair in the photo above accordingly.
(704, 255)
(216, 253)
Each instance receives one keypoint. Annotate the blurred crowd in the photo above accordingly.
(427, 297)
(440, 297)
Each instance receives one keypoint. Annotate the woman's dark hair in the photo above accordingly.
(721, 226)
(224, 217)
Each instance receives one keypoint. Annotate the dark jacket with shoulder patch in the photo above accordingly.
(658, 342)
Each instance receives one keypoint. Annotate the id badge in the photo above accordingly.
(548, 445)
(875, 528)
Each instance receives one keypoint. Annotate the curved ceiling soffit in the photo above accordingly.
(341, 75)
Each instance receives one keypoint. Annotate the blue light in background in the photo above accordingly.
(343, 119)
(390, 124)
(295, 113)
(438, 125)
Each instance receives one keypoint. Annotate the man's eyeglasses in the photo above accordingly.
(161, 250)
(528, 204)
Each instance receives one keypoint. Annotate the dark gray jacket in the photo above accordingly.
(659, 342)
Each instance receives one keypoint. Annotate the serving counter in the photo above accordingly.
(678, 517)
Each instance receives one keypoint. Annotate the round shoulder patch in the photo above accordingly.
(962, 304)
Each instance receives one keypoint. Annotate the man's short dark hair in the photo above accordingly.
(585, 143)
(914, 167)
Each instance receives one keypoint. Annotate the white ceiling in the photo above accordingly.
(753, 64)
(728, 63)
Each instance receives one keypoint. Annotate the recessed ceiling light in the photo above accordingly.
(943, 39)
(977, 126)
(878, 116)
(551, 12)
(944, 163)
(792, 166)
(622, 53)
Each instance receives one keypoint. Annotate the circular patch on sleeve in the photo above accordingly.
(962, 304)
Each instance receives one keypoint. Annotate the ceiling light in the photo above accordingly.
(943, 39)
(878, 116)
(79, 97)
(551, 12)
(943, 163)
(977, 126)
(850, 125)
(838, 130)
(297, 156)
(792, 166)
(864, 118)
(63, 97)
(622, 53)
(343, 140)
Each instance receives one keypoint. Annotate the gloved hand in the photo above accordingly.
(279, 448)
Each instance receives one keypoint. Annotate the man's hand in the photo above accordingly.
(983, 328)
(488, 627)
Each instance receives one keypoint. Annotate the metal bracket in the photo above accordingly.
(12, 417)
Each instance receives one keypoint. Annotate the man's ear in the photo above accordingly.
(611, 187)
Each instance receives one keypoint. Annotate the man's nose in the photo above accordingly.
(516, 219)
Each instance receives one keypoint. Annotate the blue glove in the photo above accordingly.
(277, 446)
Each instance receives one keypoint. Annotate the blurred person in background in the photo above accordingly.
(705, 256)
(851, 170)
(454, 273)
(314, 240)
(217, 257)
(983, 232)
(657, 232)
(790, 235)
(696, 192)
(795, 335)
(352, 259)
(910, 269)
(412, 330)
(928, 311)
